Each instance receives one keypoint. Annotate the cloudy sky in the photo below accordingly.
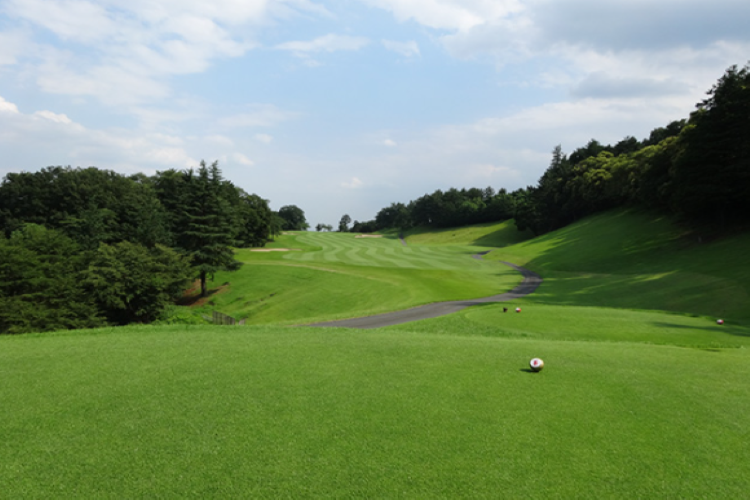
(344, 106)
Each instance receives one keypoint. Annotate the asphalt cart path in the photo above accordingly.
(531, 282)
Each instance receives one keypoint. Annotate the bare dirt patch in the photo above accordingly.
(369, 236)
(192, 296)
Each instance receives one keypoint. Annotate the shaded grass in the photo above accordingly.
(492, 234)
(271, 412)
(633, 259)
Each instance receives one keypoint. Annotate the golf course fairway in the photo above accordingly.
(643, 394)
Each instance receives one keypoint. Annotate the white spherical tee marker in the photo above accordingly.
(536, 364)
(719, 321)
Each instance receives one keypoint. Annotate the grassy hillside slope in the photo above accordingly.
(632, 259)
(493, 234)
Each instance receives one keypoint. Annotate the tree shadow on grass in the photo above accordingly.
(639, 260)
(508, 235)
(192, 297)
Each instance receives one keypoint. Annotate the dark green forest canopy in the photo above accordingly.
(92, 205)
(84, 247)
(42, 283)
(88, 204)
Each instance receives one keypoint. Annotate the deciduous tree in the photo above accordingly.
(132, 283)
(293, 217)
(41, 285)
(344, 223)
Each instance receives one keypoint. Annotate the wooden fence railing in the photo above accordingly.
(224, 319)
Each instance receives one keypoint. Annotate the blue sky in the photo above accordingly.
(345, 106)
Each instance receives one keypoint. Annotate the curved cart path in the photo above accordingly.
(530, 283)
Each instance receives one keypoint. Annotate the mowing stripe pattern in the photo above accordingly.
(381, 252)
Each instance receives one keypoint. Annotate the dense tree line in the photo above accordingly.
(451, 208)
(698, 169)
(84, 247)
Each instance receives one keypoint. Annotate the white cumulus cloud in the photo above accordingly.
(674, 48)
(124, 53)
(243, 160)
(220, 140)
(326, 43)
(459, 15)
(488, 173)
(406, 49)
(7, 107)
(257, 115)
(12, 44)
(54, 117)
(354, 183)
(67, 142)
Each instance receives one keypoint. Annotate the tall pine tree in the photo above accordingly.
(205, 224)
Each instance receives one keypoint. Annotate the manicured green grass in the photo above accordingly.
(294, 294)
(493, 234)
(632, 259)
(212, 412)
(624, 259)
(593, 324)
(337, 275)
(635, 401)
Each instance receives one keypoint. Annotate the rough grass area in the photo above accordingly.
(217, 412)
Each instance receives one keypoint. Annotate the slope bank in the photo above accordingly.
(634, 259)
